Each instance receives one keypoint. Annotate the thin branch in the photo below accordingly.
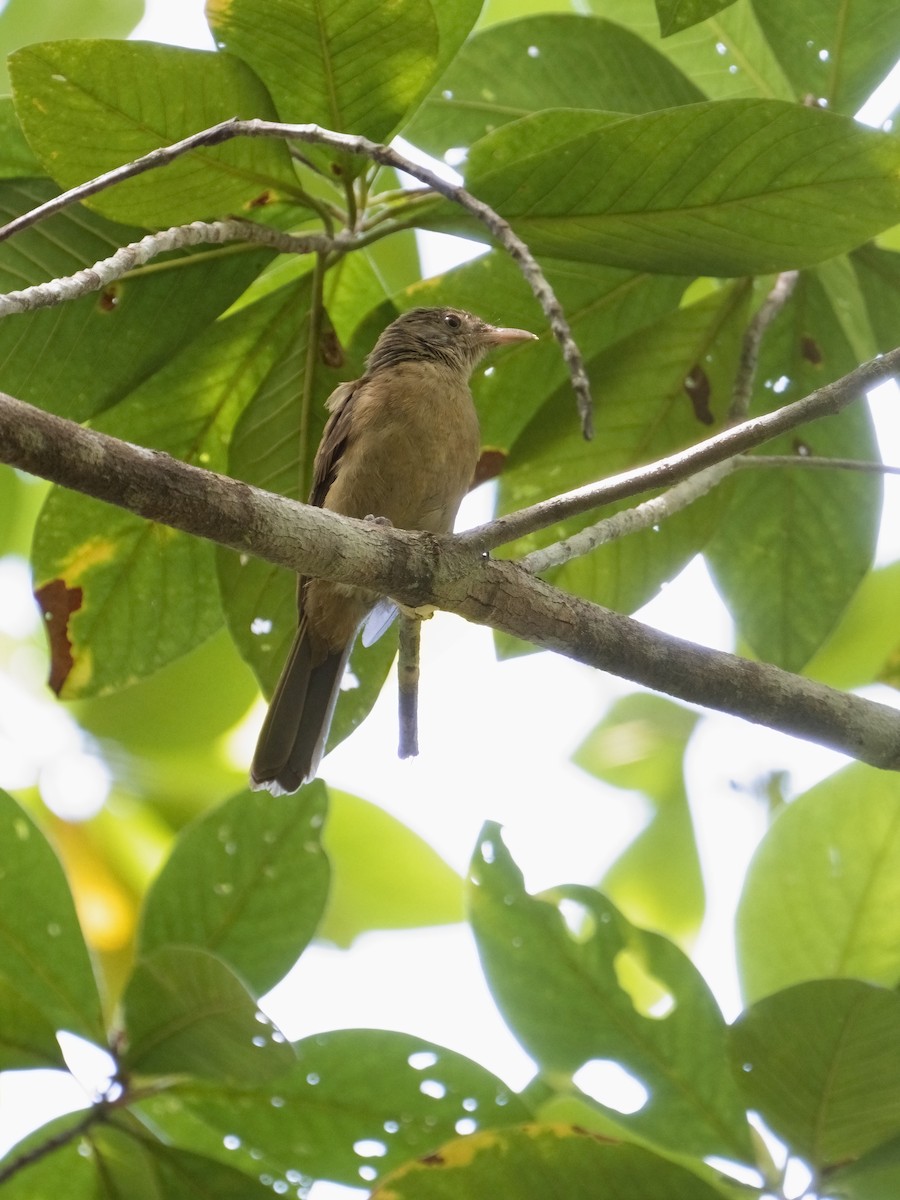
(419, 569)
(650, 513)
(385, 156)
(94, 1115)
(825, 401)
(137, 254)
(630, 520)
(746, 373)
(812, 460)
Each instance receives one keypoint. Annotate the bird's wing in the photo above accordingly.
(334, 439)
(328, 456)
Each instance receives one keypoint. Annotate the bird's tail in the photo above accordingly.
(292, 740)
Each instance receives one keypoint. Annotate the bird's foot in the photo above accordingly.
(423, 613)
(385, 522)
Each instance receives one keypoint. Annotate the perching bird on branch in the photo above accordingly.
(401, 443)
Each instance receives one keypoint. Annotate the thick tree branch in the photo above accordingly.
(419, 569)
(385, 156)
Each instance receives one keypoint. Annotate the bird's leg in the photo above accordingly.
(408, 686)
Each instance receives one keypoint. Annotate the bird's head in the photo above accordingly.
(449, 336)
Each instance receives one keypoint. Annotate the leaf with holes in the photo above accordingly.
(561, 990)
(356, 1103)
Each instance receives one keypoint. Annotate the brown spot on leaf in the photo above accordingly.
(810, 349)
(261, 200)
(108, 298)
(696, 384)
(433, 1160)
(330, 349)
(489, 466)
(58, 602)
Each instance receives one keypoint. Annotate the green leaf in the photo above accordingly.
(186, 705)
(675, 15)
(115, 561)
(727, 55)
(729, 187)
(550, 60)
(602, 304)
(878, 275)
(16, 156)
(246, 881)
(384, 875)
(864, 647)
(50, 357)
(354, 66)
(822, 893)
(142, 96)
(130, 1164)
(44, 959)
(356, 1101)
(820, 1063)
(640, 745)
(27, 1037)
(24, 21)
(273, 447)
(786, 526)
(186, 1013)
(537, 1161)
(644, 411)
(834, 52)
(561, 992)
(874, 1176)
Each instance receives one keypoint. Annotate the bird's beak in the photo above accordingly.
(495, 336)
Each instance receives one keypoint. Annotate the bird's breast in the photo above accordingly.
(412, 450)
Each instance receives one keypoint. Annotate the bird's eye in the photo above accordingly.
(452, 320)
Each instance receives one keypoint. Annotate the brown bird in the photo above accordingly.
(401, 443)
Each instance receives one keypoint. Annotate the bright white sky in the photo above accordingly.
(496, 742)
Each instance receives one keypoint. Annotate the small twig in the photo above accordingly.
(812, 460)
(746, 373)
(825, 401)
(136, 254)
(96, 1113)
(408, 685)
(630, 520)
(386, 157)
